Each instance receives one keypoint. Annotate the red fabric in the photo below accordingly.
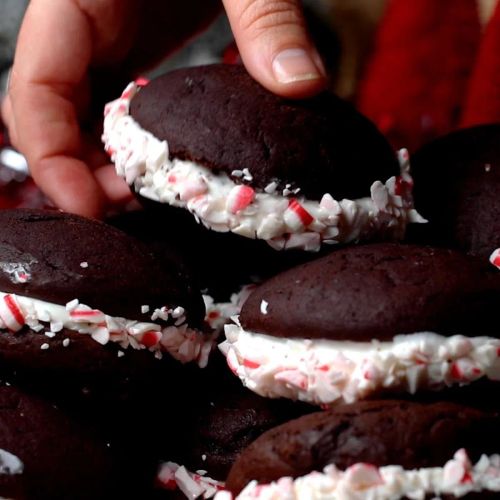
(482, 104)
(417, 76)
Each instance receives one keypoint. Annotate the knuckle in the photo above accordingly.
(259, 16)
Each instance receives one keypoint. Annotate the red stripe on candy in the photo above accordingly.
(456, 373)
(250, 364)
(305, 217)
(150, 339)
(142, 81)
(85, 313)
(14, 309)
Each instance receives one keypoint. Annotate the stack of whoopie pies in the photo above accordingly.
(94, 330)
(398, 344)
(354, 364)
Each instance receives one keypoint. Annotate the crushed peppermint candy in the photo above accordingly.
(44, 347)
(263, 306)
(144, 309)
(18, 272)
(84, 265)
(65, 342)
(326, 372)
(222, 205)
(181, 342)
(219, 314)
(172, 476)
(247, 176)
(495, 258)
(362, 481)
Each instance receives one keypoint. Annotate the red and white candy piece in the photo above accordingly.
(151, 338)
(456, 471)
(293, 377)
(191, 188)
(239, 198)
(141, 81)
(296, 216)
(11, 313)
(362, 476)
(495, 258)
(83, 314)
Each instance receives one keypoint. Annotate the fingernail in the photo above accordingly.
(295, 65)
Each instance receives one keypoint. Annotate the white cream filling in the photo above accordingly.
(10, 464)
(178, 340)
(366, 482)
(325, 372)
(222, 205)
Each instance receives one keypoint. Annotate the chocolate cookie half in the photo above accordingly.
(374, 450)
(45, 454)
(369, 320)
(79, 299)
(457, 181)
(241, 159)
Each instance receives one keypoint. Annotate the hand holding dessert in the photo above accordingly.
(66, 48)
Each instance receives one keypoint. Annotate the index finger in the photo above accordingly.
(52, 57)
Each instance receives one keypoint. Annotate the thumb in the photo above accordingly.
(275, 47)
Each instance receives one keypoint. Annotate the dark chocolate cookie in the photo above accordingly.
(379, 432)
(457, 181)
(209, 254)
(377, 292)
(224, 418)
(55, 258)
(218, 116)
(60, 458)
(68, 257)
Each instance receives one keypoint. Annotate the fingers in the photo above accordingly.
(48, 67)
(275, 47)
(8, 119)
(115, 188)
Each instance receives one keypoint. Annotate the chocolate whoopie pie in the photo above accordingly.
(375, 450)
(45, 454)
(368, 320)
(241, 159)
(219, 262)
(225, 418)
(457, 181)
(82, 303)
(220, 422)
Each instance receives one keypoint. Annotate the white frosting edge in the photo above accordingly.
(10, 464)
(178, 340)
(325, 372)
(222, 205)
(366, 482)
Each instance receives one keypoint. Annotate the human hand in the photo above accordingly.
(68, 50)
